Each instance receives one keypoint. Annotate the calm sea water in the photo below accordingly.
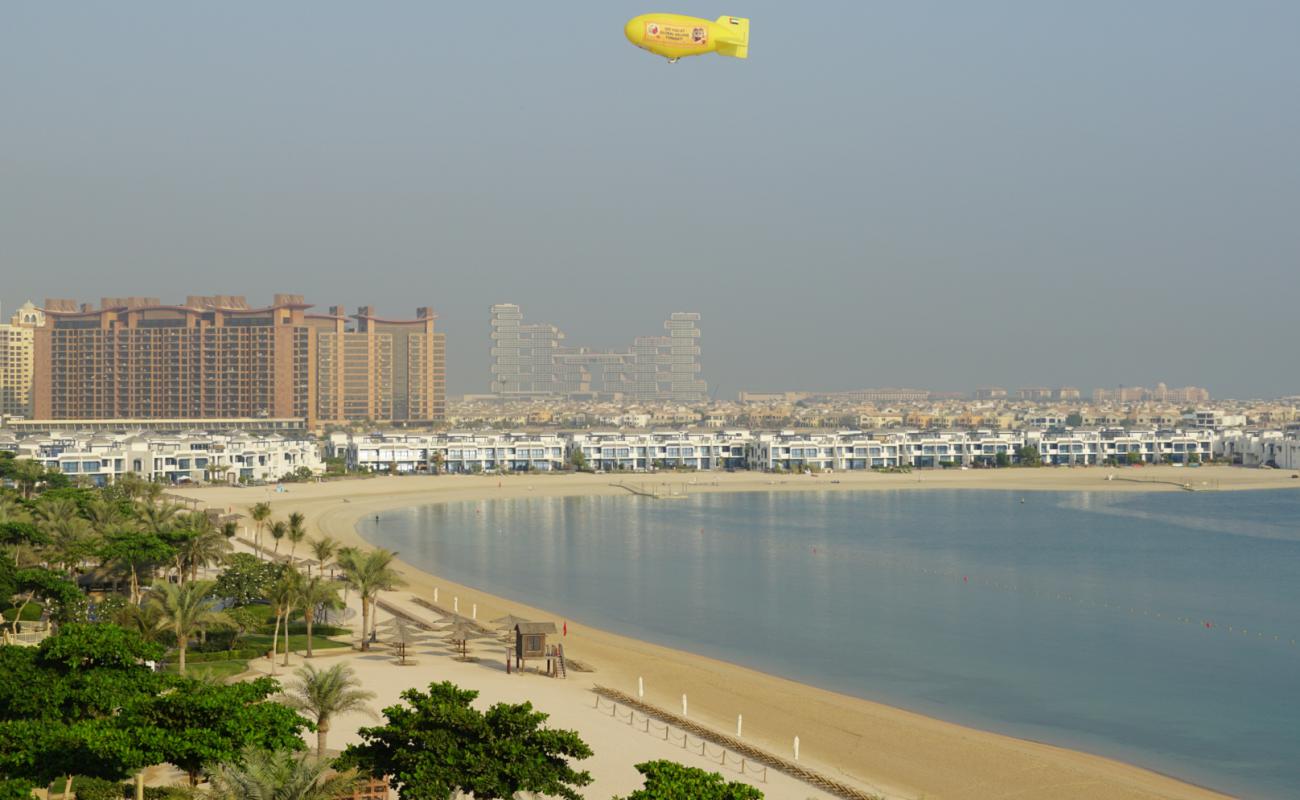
(1078, 619)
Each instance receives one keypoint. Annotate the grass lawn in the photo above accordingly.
(297, 641)
(296, 625)
(218, 669)
(30, 614)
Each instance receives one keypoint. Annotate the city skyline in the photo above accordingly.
(530, 359)
(217, 356)
(1023, 194)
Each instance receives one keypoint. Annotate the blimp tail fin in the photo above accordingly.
(734, 38)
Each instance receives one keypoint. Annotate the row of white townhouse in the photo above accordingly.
(853, 450)
(1277, 449)
(404, 453)
(407, 453)
(101, 457)
(234, 457)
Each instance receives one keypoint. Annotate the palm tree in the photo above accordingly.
(369, 573)
(145, 620)
(325, 694)
(323, 549)
(279, 775)
(203, 549)
(260, 512)
(297, 532)
(104, 514)
(316, 594)
(184, 610)
(11, 511)
(229, 528)
(157, 518)
(283, 596)
(278, 530)
(71, 543)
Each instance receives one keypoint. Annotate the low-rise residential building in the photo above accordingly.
(240, 457)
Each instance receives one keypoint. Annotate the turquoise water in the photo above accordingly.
(1072, 618)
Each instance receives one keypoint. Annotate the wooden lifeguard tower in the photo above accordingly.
(530, 642)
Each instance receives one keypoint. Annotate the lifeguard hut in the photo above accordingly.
(530, 642)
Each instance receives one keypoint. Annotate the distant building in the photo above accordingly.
(1161, 394)
(233, 457)
(217, 357)
(990, 393)
(1068, 393)
(378, 369)
(531, 360)
(17, 361)
(1034, 393)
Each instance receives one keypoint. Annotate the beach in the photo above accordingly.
(877, 747)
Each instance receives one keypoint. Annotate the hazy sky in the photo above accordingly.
(917, 193)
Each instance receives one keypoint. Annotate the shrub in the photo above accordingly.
(88, 788)
(668, 780)
(241, 654)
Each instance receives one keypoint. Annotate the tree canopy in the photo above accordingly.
(438, 743)
(200, 722)
(668, 780)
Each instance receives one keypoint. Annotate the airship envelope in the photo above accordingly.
(674, 36)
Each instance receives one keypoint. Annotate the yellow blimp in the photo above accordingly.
(674, 36)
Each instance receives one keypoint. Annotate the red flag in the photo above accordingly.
(566, 627)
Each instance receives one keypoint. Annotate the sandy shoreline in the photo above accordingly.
(896, 752)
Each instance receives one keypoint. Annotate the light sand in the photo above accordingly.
(879, 747)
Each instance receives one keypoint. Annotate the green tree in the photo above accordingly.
(278, 531)
(1002, 460)
(316, 594)
(283, 596)
(137, 552)
(185, 610)
(203, 722)
(17, 534)
(26, 475)
(59, 705)
(61, 596)
(668, 780)
(260, 512)
(1074, 420)
(204, 548)
(324, 694)
(157, 518)
(1028, 456)
(578, 459)
(438, 743)
(1133, 457)
(278, 775)
(245, 579)
(243, 619)
(323, 549)
(297, 532)
(369, 573)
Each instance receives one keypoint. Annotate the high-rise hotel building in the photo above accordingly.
(531, 360)
(17, 361)
(380, 369)
(217, 357)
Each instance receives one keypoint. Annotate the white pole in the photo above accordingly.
(796, 748)
(435, 594)
(640, 687)
(455, 604)
(683, 705)
(474, 611)
(740, 721)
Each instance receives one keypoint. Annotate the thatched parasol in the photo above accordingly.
(460, 634)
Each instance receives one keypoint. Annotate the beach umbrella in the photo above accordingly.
(509, 621)
(402, 635)
(460, 635)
